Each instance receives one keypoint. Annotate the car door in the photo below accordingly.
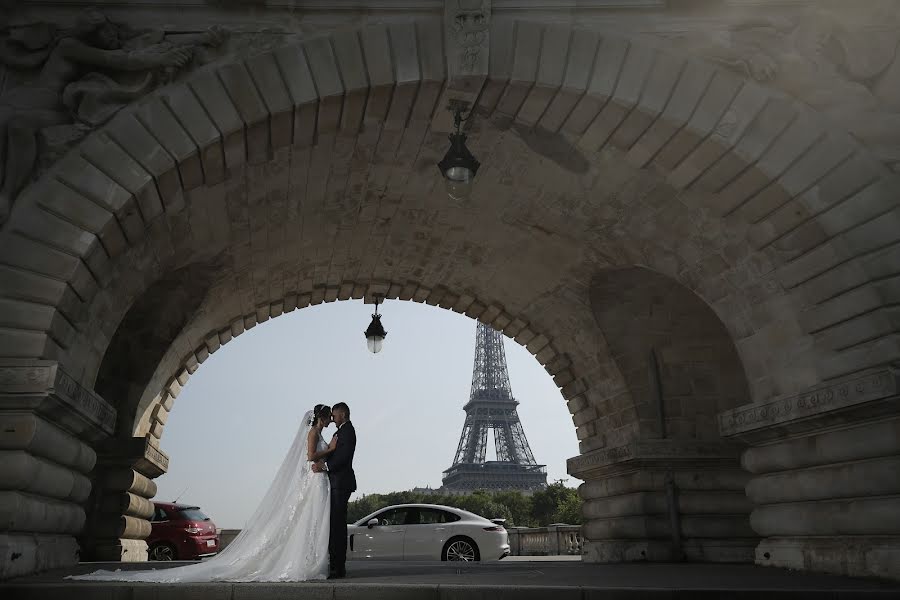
(426, 532)
(385, 540)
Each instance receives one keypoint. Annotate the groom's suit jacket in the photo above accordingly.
(340, 463)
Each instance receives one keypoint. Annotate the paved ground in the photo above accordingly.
(518, 579)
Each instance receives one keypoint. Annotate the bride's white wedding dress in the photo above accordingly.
(286, 539)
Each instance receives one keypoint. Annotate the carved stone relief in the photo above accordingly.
(841, 61)
(69, 81)
(468, 23)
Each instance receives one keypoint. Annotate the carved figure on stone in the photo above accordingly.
(468, 28)
(76, 79)
(846, 68)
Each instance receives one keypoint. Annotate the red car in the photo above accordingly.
(181, 532)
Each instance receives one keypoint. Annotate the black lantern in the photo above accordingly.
(375, 334)
(459, 165)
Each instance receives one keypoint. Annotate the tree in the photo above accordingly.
(555, 504)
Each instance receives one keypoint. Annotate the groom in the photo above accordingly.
(339, 466)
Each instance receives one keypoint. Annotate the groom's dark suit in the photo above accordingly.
(343, 483)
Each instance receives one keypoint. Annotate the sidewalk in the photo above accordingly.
(523, 579)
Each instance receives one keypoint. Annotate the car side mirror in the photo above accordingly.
(372, 523)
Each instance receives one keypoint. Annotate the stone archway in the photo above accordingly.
(599, 152)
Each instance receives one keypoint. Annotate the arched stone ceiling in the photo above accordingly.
(307, 174)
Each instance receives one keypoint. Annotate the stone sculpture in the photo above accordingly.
(467, 28)
(77, 79)
(848, 69)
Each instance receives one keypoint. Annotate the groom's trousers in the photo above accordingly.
(337, 541)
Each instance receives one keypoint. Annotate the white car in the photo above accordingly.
(426, 532)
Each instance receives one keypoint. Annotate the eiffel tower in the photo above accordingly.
(492, 406)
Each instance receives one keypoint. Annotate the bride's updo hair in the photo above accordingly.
(320, 411)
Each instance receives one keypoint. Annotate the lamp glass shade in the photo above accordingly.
(375, 343)
(458, 168)
(375, 335)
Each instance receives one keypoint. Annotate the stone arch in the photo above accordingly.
(679, 362)
(782, 224)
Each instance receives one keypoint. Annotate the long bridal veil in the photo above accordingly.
(286, 539)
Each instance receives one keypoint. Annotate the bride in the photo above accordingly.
(286, 539)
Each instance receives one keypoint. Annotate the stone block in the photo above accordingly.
(500, 58)
(865, 478)
(39, 317)
(845, 555)
(523, 70)
(108, 157)
(264, 70)
(800, 136)
(639, 60)
(245, 97)
(22, 471)
(732, 125)
(40, 438)
(120, 550)
(550, 72)
(302, 90)
(36, 552)
(610, 56)
(43, 289)
(29, 513)
(63, 202)
(691, 84)
(324, 70)
(126, 479)
(352, 69)
(582, 49)
(203, 132)
(772, 120)
(212, 95)
(157, 118)
(712, 105)
(657, 90)
(62, 236)
(137, 142)
(432, 61)
(376, 47)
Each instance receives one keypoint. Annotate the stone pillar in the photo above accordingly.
(664, 500)
(48, 423)
(120, 508)
(825, 471)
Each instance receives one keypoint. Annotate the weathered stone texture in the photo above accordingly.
(766, 239)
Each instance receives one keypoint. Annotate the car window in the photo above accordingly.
(431, 516)
(396, 516)
(160, 515)
(192, 514)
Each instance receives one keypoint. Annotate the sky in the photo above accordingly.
(232, 424)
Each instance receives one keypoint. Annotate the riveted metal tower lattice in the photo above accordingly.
(491, 406)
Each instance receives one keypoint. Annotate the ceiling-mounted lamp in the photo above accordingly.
(458, 166)
(375, 334)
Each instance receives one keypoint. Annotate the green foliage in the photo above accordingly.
(555, 504)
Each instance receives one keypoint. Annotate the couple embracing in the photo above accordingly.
(299, 531)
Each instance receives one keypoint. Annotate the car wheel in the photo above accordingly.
(162, 552)
(460, 549)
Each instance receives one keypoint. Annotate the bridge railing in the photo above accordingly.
(554, 540)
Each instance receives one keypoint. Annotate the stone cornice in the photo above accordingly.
(870, 392)
(652, 454)
(43, 387)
